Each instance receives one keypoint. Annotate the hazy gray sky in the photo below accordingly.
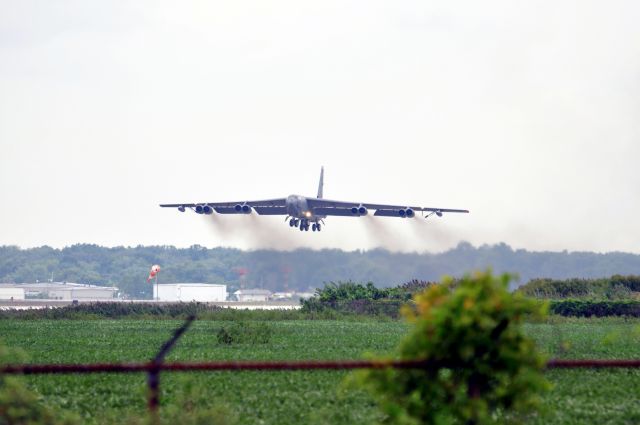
(527, 113)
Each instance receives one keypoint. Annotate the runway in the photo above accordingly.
(40, 304)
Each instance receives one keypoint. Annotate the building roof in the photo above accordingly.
(209, 285)
(55, 286)
(252, 292)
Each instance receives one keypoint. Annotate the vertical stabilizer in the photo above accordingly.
(321, 184)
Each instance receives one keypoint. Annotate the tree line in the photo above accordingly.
(300, 270)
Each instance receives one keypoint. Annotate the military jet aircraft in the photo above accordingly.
(303, 212)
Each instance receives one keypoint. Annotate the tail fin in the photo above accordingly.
(321, 184)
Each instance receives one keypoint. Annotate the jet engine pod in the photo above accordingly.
(200, 209)
(359, 210)
(402, 213)
(181, 208)
(439, 213)
(242, 209)
(207, 209)
(410, 213)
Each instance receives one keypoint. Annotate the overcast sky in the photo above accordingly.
(527, 113)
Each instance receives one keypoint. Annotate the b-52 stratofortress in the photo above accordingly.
(303, 212)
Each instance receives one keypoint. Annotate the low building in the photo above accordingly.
(187, 292)
(64, 291)
(252, 295)
(11, 293)
(282, 296)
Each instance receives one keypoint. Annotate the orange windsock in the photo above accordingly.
(155, 269)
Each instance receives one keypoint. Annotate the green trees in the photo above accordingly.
(302, 269)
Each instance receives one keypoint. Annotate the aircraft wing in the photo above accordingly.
(277, 206)
(341, 208)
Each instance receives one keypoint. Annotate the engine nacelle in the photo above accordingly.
(242, 209)
(359, 210)
(199, 209)
(439, 213)
(207, 210)
(181, 208)
(406, 213)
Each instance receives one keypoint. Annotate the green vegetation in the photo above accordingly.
(245, 333)
(117, 310)
(350, 291)
(577, 397)
(484, 368)
(616, 287)
(588, 308)
(301, 269)
(275, 398)
(355, 298)
(19, 405)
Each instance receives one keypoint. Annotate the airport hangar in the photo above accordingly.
(56, 291)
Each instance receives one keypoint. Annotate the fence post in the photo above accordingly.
(153, 377)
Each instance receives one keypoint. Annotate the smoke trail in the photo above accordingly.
(250, 231)
(407, 235)
(380, 233)
(253, 232)
(430, 234)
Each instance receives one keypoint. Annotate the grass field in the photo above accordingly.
(579, 396)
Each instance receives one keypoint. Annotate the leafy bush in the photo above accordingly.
(482, 367)
(245, 333)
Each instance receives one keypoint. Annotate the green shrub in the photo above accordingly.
(364, 307)
(587, 308)
(245, 333)
(351, 291)
(616, 287)
(483, 369)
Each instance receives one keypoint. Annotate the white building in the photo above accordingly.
(11, 293)
(187, 292)
(63, 291)
(252, 295)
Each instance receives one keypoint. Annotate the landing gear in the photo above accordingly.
(304, 224)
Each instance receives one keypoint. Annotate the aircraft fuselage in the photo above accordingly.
(301, 214)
